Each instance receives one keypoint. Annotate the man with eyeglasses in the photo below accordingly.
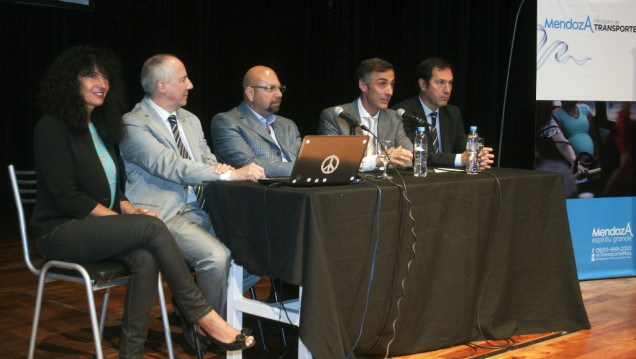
(252, 132)
(447, 145)
(376, 79)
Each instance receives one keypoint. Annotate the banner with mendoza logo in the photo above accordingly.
(586, 50)
(604, 245)
(585, 128)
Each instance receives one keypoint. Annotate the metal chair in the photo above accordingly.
(95, 276)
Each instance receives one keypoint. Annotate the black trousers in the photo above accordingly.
(146, 246)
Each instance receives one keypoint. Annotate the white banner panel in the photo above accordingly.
(586, 50)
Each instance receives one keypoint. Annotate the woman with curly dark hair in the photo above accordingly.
(81, 213)
(60, 97)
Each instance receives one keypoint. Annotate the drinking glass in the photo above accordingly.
(385, 145)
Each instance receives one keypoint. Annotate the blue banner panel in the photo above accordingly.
(602, 236)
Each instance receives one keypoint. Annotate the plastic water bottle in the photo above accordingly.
(472, 150)
(420, 152)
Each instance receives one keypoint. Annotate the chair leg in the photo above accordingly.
(93, 314)
(234, 316)
(91, 310)
(283, 336)
(282, 329)
(258, 322)
(195, 339)
(36, 316)
(303, 353)
(164, 318)
(102, 316)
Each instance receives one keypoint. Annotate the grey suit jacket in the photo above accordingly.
(453, 137)
(239, 139)
(389, 126)
(157, 175)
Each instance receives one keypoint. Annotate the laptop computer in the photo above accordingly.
(325, 160)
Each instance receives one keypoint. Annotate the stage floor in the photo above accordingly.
(65, 329)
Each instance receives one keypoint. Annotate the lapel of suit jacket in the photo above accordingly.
(282, 135)
(157, 124)
(251, 121)
(444, 122)
(352, 109)
(383, 124)
(384, 127)
(417, 109)
(191, 134)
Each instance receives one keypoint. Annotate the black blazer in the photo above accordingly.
(70, 175)
(453, 137)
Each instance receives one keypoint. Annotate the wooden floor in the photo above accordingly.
(65, 328)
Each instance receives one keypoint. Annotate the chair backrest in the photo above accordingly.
(24, 185)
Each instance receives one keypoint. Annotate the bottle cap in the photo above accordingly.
(421, 128)
(473, 128)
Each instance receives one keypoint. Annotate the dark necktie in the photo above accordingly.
(198, 190)
(434, 132)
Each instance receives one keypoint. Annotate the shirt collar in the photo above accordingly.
(363, 112)
(427, 111)
(264, 121)
(160, 111)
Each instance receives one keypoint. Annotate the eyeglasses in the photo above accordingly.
(271, 88)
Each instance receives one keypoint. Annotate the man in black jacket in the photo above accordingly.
(445, 130)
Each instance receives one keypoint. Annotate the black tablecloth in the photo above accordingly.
(493, 255)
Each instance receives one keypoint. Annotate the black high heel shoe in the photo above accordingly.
(189, 332)
(237, 344)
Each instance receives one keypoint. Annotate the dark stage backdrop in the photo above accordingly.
(314, 46)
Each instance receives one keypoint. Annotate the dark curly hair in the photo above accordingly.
(60, 92)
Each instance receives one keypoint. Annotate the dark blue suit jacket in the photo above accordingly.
(453, 137)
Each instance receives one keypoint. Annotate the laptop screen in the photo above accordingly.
(327, 160)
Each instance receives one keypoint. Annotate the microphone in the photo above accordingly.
(407, 116)
(352, 121)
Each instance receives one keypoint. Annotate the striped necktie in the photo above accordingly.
(434, 132)
(198, 190)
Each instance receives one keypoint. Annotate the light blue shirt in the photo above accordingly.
(268, 122)
(107, 162)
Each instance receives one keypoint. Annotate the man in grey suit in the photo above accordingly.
(252, 132)
(435, 81)
(163, 179)
(376, 79)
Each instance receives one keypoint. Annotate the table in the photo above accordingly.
(493, 255)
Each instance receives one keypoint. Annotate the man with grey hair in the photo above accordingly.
(168, 162)
(376, 79)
